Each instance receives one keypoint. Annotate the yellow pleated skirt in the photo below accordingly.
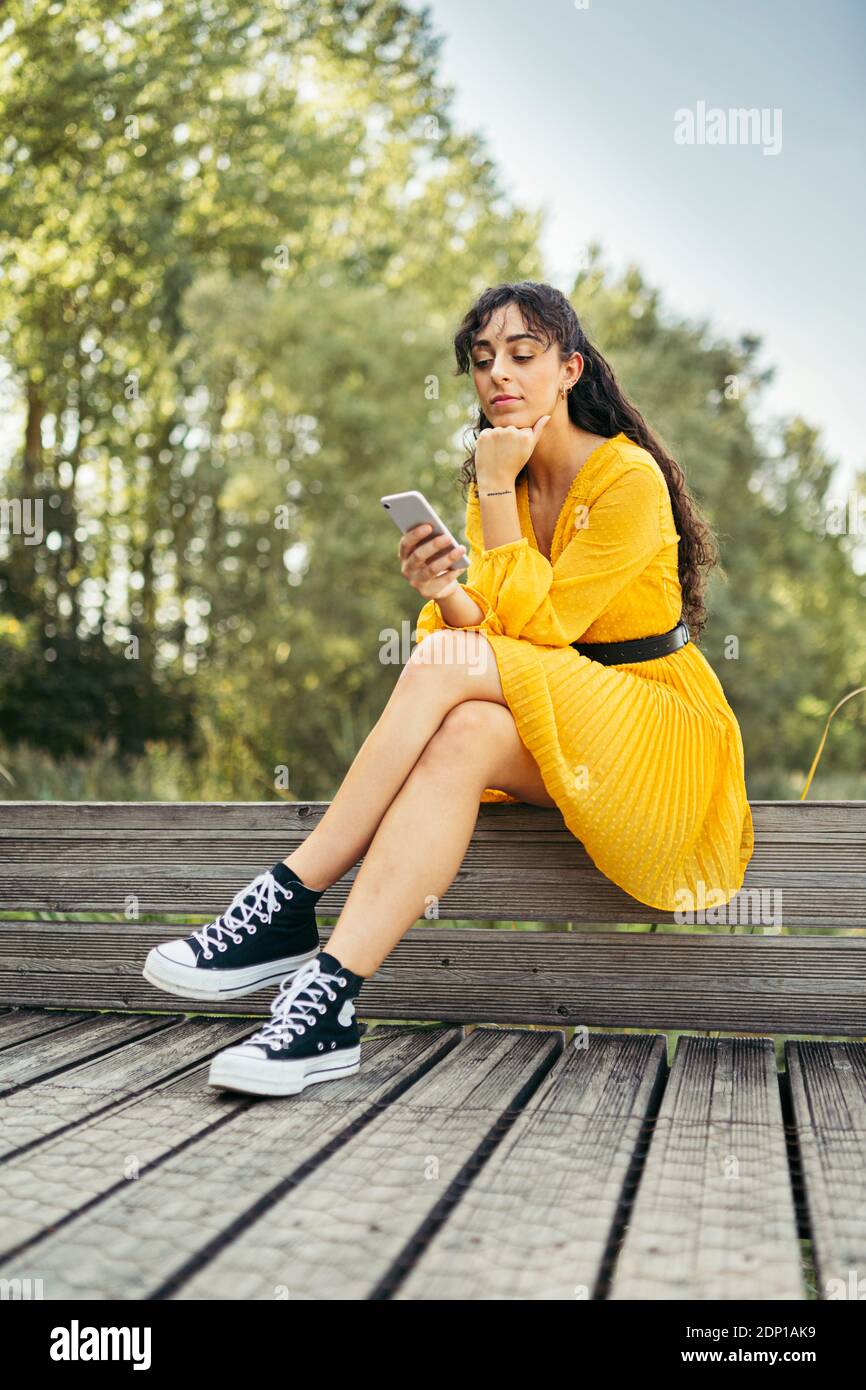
(645, 763)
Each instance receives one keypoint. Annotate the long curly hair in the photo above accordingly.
(597, 403)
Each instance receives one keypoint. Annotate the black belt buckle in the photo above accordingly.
(636, 648)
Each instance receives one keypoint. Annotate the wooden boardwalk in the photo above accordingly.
(471, 1157)
(478, 1163)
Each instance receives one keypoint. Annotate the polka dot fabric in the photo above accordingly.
(644, 759)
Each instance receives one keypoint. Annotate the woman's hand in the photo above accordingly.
(425, 562)
(502, 450)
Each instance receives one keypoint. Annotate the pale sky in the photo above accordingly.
(577, 107)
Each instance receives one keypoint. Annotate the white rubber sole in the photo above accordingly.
(260, 1077)
(189, 982)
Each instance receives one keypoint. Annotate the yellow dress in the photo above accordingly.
(643, 759)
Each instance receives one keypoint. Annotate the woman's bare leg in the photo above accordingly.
(447, 668)
(422, 839)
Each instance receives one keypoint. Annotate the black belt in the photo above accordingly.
(636, 648)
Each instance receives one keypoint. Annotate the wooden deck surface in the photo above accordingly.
(459, 1163)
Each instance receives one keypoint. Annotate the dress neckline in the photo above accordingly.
(579, 477)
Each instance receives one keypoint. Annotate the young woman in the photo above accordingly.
(561, 674)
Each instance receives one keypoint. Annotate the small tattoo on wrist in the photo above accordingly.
(501, 493)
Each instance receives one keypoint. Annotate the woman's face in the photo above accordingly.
(512, 362)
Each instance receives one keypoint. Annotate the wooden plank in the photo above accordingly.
(537, 1221)
(714, 1216)
(780, 819)
(338, 1234)
(17, 1025)
(200, 1185)
(90, 1149)
(94, 1085)
(522, 864)
(68, 1047)
(752, 984)
(828, 1099)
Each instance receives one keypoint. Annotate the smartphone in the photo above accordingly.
(408, 509)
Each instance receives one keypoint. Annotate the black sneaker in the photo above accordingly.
(313, 1035)
(268, 932)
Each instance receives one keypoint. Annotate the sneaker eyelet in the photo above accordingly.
(321, 1045)
(333, 1044)
(252, 930)
(221, 946)
(342, 981)
(208, 955)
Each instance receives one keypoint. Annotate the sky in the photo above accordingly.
(577, 103)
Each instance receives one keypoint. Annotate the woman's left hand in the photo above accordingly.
(502, 450)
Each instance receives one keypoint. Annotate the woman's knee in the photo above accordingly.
(483, 736)
(452, 651)
(476, 731)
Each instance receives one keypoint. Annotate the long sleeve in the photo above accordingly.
(553, 605)
(524, 596)
(430, 618)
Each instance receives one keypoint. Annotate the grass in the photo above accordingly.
(227, 770)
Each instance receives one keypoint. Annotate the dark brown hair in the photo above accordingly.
(598, 404)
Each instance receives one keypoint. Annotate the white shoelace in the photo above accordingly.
(291, 1012)
(264, 890)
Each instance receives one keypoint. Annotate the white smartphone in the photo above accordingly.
(408, 509)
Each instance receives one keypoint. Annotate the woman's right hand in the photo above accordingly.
(425, 562)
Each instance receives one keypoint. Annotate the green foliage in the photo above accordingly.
(236, 237)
